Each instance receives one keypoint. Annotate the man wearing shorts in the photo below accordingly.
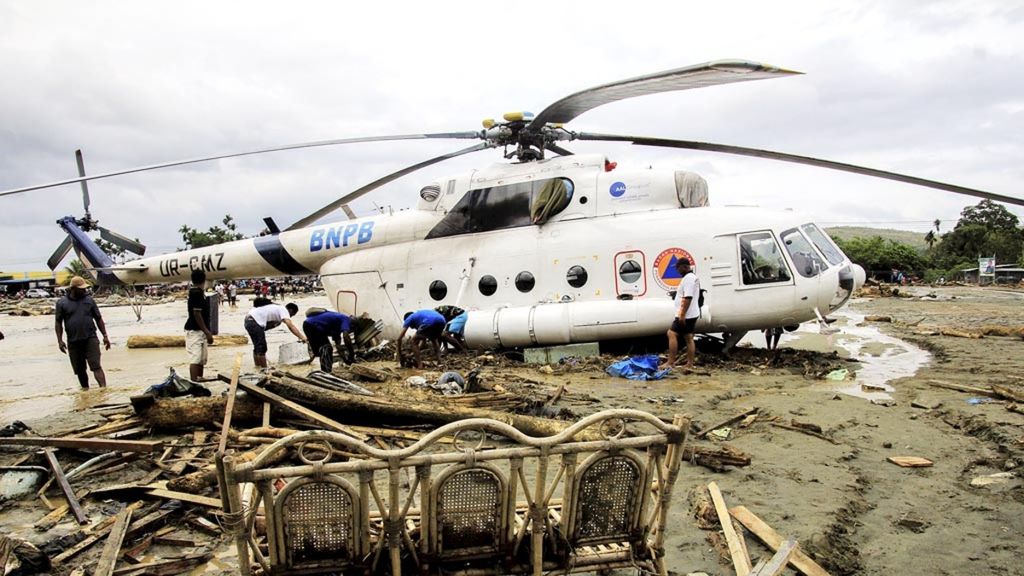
(429, 325)
(197, 333)
(77, 314)
(263, 318)
(686, 314)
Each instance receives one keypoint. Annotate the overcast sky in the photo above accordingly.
(930, 88)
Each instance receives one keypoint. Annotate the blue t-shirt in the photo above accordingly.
(331, 322)
(458, 324)
(423, 319)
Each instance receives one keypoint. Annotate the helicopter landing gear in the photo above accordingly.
(730, 340)
(823, 324)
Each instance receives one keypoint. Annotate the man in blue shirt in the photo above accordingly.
(429, 325)
(321, 325)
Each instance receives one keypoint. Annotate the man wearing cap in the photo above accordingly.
(198, 336)
(77, 314)
(263, 318)
(321, 325)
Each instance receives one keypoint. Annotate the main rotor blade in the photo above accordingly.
(820, 163)
(696, 76)
(557, 149)
(122, 241)
(439, 135)
(62, 250)
(85, 185)
(380, 182)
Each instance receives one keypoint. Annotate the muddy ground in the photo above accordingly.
(852, 510)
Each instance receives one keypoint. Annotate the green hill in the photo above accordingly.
(913, 239)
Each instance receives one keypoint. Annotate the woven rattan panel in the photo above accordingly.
(318, 523)
(607, 495)
(469, 510)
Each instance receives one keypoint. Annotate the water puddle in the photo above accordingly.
(882, 358)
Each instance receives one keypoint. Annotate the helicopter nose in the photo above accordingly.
(859, 276)
(851, 277)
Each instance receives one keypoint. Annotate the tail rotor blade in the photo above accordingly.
(122, 241)
(796, 159)
(85, 185)
(58, 255)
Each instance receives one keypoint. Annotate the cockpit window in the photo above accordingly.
(507, 206)
(805, 259)
(761, 261)
(824, 244)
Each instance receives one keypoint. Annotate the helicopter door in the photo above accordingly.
(629, 274)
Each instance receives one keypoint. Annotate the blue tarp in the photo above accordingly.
(638, 368)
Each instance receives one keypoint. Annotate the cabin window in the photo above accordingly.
(824, 244)
(576, 276)
(805, 259)
(630, 271)
(525, 281)
(438, 290)
(507, 206)
(488, 285)
(761, 261)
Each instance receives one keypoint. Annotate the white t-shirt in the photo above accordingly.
(270, 315)
(689, 287)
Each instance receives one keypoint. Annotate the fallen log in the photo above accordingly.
(178, 340)
(405, 411)
(174, 413)
(716, 458)
(197, 482)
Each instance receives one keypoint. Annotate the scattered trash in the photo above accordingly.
(720, 434)
(638, 368)
(16, 427)
(997, 478)
(975, 401)
(450, 384)
(292, 353)
(837, 375)
(910, 461)
(18, 481)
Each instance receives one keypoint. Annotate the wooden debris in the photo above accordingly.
(1015, 408)
(369, 373)
(98, 532)
(177, 413)
(87, 444)
(874, 318)
(777, 563)
(910, 461)
(737, 548)
(726, 422)
(65, 487)
(963, 388)
(773, 540)
(178, 341)
(166, 567)
(300, 410)
(198, 437)
(716, 458)
(807, 431)
(105, 566)
(55, 515)
(1007, 393)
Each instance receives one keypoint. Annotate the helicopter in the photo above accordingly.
(548, 247)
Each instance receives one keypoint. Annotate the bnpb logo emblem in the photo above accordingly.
(665, 273)
(617, 189)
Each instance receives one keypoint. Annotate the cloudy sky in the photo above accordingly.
(930, 88)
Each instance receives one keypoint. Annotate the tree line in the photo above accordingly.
(984, 230)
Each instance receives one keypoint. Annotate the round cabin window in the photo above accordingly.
(629, 271)
(525, 281)
(438, 290)
(488, 285)
(576, 276)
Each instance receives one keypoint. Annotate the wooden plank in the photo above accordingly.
(88, 444)
(773, 540)
(54, 517)
(963, 388)
(110, 427)
(740, 560)
(910, 461)
(65, 487)
(198, 437)
(99, 532)
(777, 563)
(105, 566)
(300, 410)
(177, 566)
(184, 497)
(726, 422)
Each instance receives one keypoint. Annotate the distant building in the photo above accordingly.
(14, 282)
(1005, 274)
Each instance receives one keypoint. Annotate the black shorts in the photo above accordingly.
(258, 335)
(82, 352)
(688, 326)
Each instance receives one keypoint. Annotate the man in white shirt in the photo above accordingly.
(263, 318)
(687, 312)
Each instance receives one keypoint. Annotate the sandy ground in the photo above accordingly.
(848, 506)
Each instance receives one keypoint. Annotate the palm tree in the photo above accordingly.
(937, 223)
(76, 268)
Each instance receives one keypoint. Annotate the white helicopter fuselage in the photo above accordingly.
(601, 266)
